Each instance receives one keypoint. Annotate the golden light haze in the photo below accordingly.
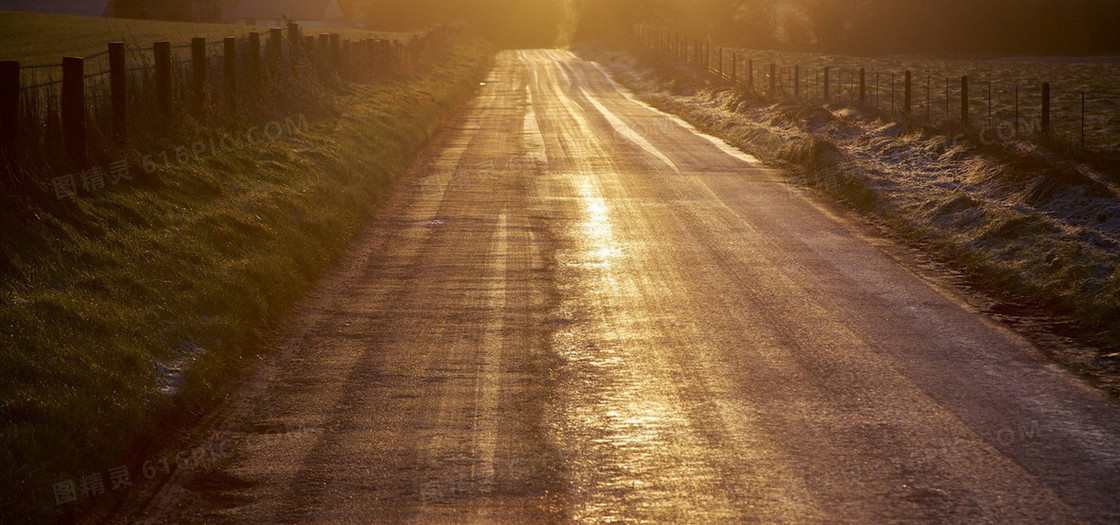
(839, 26)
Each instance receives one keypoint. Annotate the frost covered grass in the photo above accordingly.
(1021, 218)
(1008, 78)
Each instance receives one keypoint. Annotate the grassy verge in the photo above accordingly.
(138, 303)
(1028, 223)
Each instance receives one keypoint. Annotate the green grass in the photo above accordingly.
(97, 291)
(38, 38)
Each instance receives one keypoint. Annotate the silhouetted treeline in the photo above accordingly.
(518, 23)
(835, 26)
(878, 26)
(515, 23)
(181, 10)
(960, 26)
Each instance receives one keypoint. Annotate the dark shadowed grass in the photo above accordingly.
(105, 296)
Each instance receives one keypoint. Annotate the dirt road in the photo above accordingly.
(581, 310)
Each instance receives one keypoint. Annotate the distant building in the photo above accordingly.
(60, 7)
(309, 14)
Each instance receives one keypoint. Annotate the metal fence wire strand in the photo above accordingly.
(155, 97)
(1005, 98)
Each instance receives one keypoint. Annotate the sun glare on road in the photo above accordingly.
(596, 228)
(509, 261)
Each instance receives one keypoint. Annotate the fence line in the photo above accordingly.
(889, 95)
(46, 108)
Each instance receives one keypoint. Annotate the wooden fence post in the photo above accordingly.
(750, 73)
(162, 52)
(1016, 110)
(734, 67)
(275, 50)
(336, 52)
(384, 58)
(229, 61)
(371, 59)
(892, 92)
(322, 55)
(295, 37)
(827, 98)
(375, 63)
(946, 98)
(964, 101)
(773, 79)
(9, 112)
(254, 58)
(1045, 108)
(118, 82)
(198, 72)
(907, 99)
(797, 81)
(381, 58)
(392, 56)
(1082, 120)
(296, 43)
(382, 62)
(74, 108)
(877, 91)
(346, 58)
(990, 105)
(398, 57)
(862, 87)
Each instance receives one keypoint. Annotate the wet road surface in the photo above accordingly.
(581, 310)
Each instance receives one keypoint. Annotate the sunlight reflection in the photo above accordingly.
(596, 229)
(633, 456)
(628, 415)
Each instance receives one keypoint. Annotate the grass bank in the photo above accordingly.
(1030, 224)
(135, 305)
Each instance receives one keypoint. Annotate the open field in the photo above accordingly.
(36, 38)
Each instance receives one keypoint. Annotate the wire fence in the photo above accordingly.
(997, 100)
(69, 113)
